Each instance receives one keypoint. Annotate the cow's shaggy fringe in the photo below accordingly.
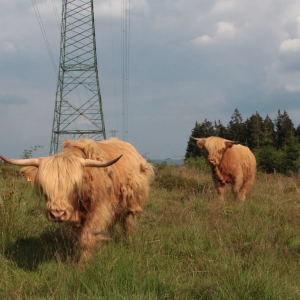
(215, 145)
(57, 177)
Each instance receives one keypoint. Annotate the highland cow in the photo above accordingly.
(230, 163)
(88, 187)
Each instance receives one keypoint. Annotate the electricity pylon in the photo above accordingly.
(78, 106)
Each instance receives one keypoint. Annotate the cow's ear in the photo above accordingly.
(229, 144)
(66, 144)
(201, 143)
(29, 173)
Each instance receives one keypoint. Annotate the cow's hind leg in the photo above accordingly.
(237, 189)
(246, 187)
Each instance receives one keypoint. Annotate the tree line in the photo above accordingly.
(275, 143)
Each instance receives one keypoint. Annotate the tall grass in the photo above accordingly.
(187, 244)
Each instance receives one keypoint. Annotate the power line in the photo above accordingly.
(125, 28)
(37, 13)
(113, 133)
(113, 65)
(56, 14)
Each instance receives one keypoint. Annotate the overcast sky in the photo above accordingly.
(189, 60)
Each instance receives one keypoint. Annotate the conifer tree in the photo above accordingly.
(206, 129)
(236, 127)
(266, 159)
(192, 149)
(284, 130)
(254, 131)
(297, 133)
(292, 153)
(268, 133)
(220, 130)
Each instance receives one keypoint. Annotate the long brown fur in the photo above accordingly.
(230, 164)
(94, 198)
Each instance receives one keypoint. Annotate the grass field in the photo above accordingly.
(187, 244)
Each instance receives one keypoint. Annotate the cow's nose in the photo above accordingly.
(57, 215)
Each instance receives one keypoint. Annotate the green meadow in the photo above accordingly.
(187, 244)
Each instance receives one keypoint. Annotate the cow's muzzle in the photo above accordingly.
(57, 215)
(212, 161)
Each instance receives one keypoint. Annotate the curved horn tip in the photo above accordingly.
(22, 162)
(5, 158)
(118, 158)
(232, 142)
(93, 163)
(109, 163)
(196, 139)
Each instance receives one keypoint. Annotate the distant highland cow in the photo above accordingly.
(88, 187)
(230, 163)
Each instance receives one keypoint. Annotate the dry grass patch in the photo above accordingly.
(187, 244)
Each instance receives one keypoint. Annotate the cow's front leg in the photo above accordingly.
(95, 230)
(220, 186)
(220, 190)
(219, 183)
(88, 243)
(128, 223)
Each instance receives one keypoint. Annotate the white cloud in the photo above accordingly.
(222, 7)
(8, 47)
(289, 46)
(108, 9)
(113, 8)
(202, 40)
(226, 30)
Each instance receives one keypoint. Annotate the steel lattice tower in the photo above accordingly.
(78, 106)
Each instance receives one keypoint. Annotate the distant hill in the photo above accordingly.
(169, 161)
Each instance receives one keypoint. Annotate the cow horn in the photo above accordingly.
(96, 163)
(229, 143)
(197, 139)
(23, 162)
(232, 142)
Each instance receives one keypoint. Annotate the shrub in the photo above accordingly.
(197, 163)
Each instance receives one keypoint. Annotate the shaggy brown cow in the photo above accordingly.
(85, 186)
(230, 163)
